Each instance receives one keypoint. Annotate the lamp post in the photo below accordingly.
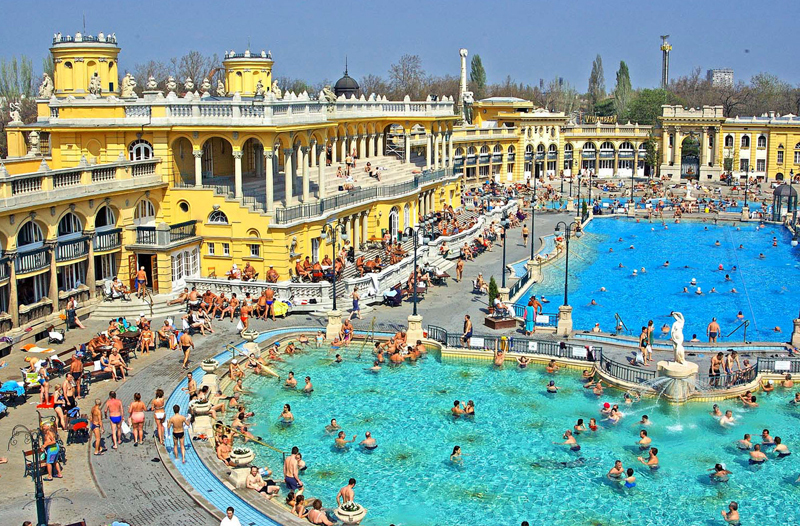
(33, 438)
(533, 226)
(794, 207)
(580, 203)
(414, 331)
(331, 230)
(504, 224)
(414, 234)
(632, 208)
(564, 327)
(590, 190)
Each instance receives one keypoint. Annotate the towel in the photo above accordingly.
(12, 386)
(30, 347)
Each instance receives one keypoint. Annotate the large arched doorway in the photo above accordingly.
(690, 158)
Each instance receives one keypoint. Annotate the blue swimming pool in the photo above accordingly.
(767, 294)
(512, 471)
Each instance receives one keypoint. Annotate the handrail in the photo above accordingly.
(256, 440)
(618, 318)
(745, 324)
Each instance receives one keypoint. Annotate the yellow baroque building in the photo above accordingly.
(188, 182)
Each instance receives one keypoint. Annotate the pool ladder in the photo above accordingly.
(745, 324)
(620, 325)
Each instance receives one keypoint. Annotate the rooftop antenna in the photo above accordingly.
(248, 42)
(84, 22)
(665, 49)
(345, 65)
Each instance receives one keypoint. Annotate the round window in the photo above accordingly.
(184, 206)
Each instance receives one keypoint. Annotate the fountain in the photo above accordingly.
(677, 379)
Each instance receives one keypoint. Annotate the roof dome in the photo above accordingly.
(785, 190)
(346, 85)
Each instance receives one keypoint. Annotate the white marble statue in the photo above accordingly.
(152, 85)
(128, 83)
(328, 95)
(14, 112)
(188, 85)
(220, 88)
(95, 86)
(46, 89)
(259, 88)
(676, 335)
(276, 90)
(689, 196)
(205, 86)
(171, 84)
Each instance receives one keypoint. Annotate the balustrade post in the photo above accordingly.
(269, 160)
(53, 290)
(91, 281)
(198, 167)
(237, 173)
(287, 176)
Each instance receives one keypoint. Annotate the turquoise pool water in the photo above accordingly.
(767, 292)
(511, 470)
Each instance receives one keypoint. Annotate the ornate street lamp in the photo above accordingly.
(567, 235)
(332, 230)
(504, 223)
(414, 233)
(533, 226)
(35, 440)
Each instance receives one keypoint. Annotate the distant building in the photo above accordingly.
(720, 77)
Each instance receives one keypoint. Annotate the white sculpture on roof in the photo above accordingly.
(188, 85)
(128, 83)
(171, 84)
(152, 85)
(220, 88)
(276, 90)
(260, 88)
(46, 89)
(95, 86)
(205, 86)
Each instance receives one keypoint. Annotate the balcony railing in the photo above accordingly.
(294, 213)
(158, 236)
(72, 249)
(4, 269)
(182, 231)
(32, 261)
(107, 240)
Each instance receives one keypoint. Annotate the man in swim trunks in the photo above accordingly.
(713, 331)
(370, 442)
(616, 472)
(177, 423)
(644, 440)
(114, 412)
(191, 386)
(76, 369)
(290, 471)
(269, 298)
(341, 442)
(757, 456)
(731, 516)
(346, 494)
(467, 331)
(187, 345)
(96, 425)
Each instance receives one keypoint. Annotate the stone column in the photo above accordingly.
(635, 160)
(407, 139)
(269, 160)
(444, 152)
(665, 147)
(414, 331)
(703, 150)
(334, 148)
(237, 173)
(321, 172)
(362, 146)
(288, 172)
(676, 150)
(53, 292)
(436, 141)
(198, 167)
(364, 226)
(313, 159)
(380, 145)
(450, 149)
(91, 282)
(564, 327)
(303, 160)
(356, 232)
(616, 161)
(428, 147)
(344, 152)
(13, 300)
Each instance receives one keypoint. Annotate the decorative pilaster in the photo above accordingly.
(13, 300)
(53, 290)
(91, 281)
(303, 160)
(269, 160)
(198, 167)
(321, 172)
(237, 173)
(288, 173)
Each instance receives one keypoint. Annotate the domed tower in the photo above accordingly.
(244, 70)
(77, 58)
(346, 85)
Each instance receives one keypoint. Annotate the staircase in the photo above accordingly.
(132, 309)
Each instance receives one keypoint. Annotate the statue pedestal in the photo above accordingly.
(502, 293)
(414, 331)
(564, 327)
(534, 271)
(570, 205)
(631, 211)
(745, 213)
(334, 324)
(796, 333)
(683, 376)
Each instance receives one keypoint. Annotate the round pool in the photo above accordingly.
(766, 294)
(511, 469)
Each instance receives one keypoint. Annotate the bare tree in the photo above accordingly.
(406, 77)
(373, 84)
(446, 86)
(198, 66)
(732, 98)
(157, 69)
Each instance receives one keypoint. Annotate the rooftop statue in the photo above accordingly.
(276, 90)
(220, 88)
(259, 88)
(152, 85)
(328, 95)
(171, 84)
(188, 85)
(205, 86)
(46, 89)
(96, 87)
(128, 83)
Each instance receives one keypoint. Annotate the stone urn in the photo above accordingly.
(209, 365)
(350, 513)
(242, 456)
(200, 408)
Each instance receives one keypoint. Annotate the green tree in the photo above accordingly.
(477, 77)
(605, 108)
(622, 91)
(645, 107)
(493, 291)
(597, 83)
(653, 156)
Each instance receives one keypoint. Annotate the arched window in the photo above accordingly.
(568, 147)
(30, 234)
(607, 146)
(459, 153)
(588, 147)
(745, 141)
(529, 148)
(104, 219)
(511, 149)
(762, 141)
(540, 148)
(144, 214)
(218, 217)
(70, 225)
(626, 146)
(797, 153)
(729, 141)
(497, 149)
(471, 150)
(552, 149)
(140, 150)
(484, 150)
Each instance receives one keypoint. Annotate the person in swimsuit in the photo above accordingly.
(291, 471)
(286, 415)
(96, 425)
(731, 515)
(369, 442)
(266, 488)
(187, 345)
(630, 480)
(177, 423)
(157, 407)
(76, 370)
(781, 449)
(269, 298)
(616, 472)
(467, 331)
(136, 411)
(317, 516)
(713, 330)
(719, 473)
(644, 440)
(51, 450)
(569, 441)
(652, 460)
(114, 412)
(757, 456)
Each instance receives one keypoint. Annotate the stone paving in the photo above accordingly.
(132, 484)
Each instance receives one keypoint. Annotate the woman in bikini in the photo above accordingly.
(177, 423)
(136, 411)
(146, 340)
(157, 407)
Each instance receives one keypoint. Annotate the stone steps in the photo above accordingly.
(132, 309)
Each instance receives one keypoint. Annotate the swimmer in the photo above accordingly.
(552, 367)
(716, 243)
(598, 388)
(602, 289)
(630, 480)
(569, 441)
(291, 381)
(338, 359)
(731, 516)
(757, 456)
(781, 449)
(698, 291)
(456, 410)
(631, 247)
(713, 290)
(665, 328)
(644, 440)
(551, 387)
(542, 299)
(693, 282)
(614, 415)
(684, 291)
(796, 400)
(777, 329)
(593, 424)
(761, 256)
(341, 442)
(645, 421)
(744, 444)
(611, 250)
(579, 428)
(593, 302)
(766, 439)
(615, 472)
(368, 442)
(719, 473)
(621, 265)
(652, 459)
(606, 409)
(768, 387)
(643, 271)
(734, 291)
(308, 387)
(455, 456)
(376, 366)
(634, 274)
(333, 426)
(522, 361)
(727, 419)
(286, 415)
(727, 277)
(748, 399)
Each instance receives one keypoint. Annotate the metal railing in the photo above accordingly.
(708, 382)
(181, 231)
(32, 261)
(145, 235)
(516, 287)
(624, 372)
(4, 273)
(107, 240)
(551, 321)
(72, 249)
(778, 365)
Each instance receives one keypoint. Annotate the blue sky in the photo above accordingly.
(528, 40)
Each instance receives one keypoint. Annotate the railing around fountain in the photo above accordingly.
(627, 373)
(778, 365)
(706, 382)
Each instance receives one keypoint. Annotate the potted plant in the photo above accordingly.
(209, 365)
(241, 456)
(493, 293)
(350, 512)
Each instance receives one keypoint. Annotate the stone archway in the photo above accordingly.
(690, 157)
